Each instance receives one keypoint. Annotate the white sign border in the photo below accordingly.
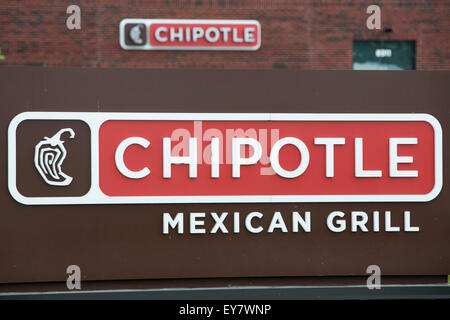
(96, 196)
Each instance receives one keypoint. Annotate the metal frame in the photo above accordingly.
(422, 291)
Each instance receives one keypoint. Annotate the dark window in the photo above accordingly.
(383, 55)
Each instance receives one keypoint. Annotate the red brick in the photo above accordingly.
(310, 34)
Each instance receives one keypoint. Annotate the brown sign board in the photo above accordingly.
(127, 241)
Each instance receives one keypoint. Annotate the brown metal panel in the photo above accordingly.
(109, 242)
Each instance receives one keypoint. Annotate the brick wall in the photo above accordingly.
(315, 35)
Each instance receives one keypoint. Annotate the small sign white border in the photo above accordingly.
(96, 196)
(148, 46)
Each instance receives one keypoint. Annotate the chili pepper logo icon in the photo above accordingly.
(49, 155)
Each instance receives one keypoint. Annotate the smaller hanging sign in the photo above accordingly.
(192, 34)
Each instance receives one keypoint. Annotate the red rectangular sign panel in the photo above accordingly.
(260, 178)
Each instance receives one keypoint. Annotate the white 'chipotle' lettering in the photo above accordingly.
(239, 160)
